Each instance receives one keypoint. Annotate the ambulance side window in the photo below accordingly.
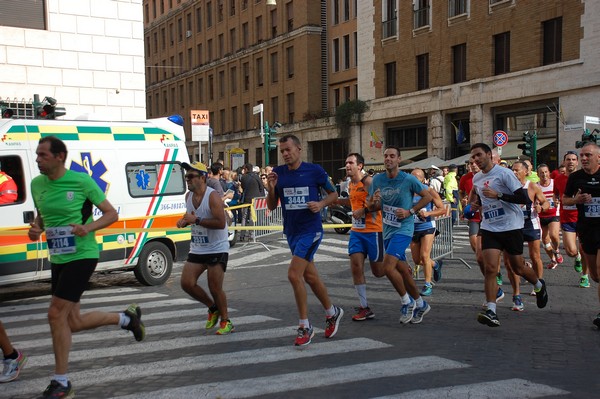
(12, 180)
(143, 179)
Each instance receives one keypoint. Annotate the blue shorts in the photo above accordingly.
(396, 246)
(570, 227)
(305, 245)
(368, 244)
(531, 235)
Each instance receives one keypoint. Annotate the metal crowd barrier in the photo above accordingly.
(261, 216)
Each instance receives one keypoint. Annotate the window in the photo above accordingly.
(232, 7)
(211, 88)
(259, 72)
(423, 71)
(155, 43)
(209, 16)
(346, 93)
(258, 27)
(172, 65)
(274, 68)
(234, 119)
(552, 41)
(246, 71)
(233, 80)
(289, 10)
(355, 49)
(407, 137)
(222, 120)
(274, 23)
(246, 116)
(289, 56)
(163, 38)
(162, 7)
(209, 54)
(245, 35)
(232, 40)
(346, 10)
(244, 4)
(459, 63)
(221, 84)
(188, 22)
(220, 12)
(180, 65)
(190, 59)
(347, 52)
(180, 29)
(146, 13)
(290, 106)
(153, 9)
(201, 90)
(199, 54)
(198, 19)
(390, 20)
(181, 96)
(275, 109)
(390, 79)
(336, 55)
(171, 34)
(456, 7)
(336, 97)
(12, 165)
(336, 11)
(149, 172)
(502, 53)
(421, 12)
(221, 44)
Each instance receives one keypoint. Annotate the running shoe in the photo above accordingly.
(489, 318)
(541, 296)
(363, 314)
(12, 367)
(499, 279)
(532, 293)
(427, 290)
(57, 391)
(577, 265)
(406, 312)
(333, 322)
(225, 327)
(584, 282)
(304, 336)
(437, 270)
(418, 313)
(499, 295)
(552, 265)
(559, 258)
(213, 317)
(517, 304)
(597, 321)
(136, 326)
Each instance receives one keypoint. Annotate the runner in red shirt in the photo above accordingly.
(568, 219)
(549, 219)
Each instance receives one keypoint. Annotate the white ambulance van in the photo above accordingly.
(137, 164)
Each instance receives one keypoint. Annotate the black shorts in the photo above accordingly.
(417, 235)
(70, 280)
(547, 221)
(510, 241)
(530, 235)
(589, 238)
(210, 259)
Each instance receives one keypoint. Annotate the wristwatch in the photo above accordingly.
(197, 221)
(412, 211)
(500, 196)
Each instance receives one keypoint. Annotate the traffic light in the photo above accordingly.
(527, 146)
(587, 137)
(7, 113)
(47, 109)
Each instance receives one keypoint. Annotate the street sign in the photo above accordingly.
(500, 138)
(200, 125)
(594, 120)
(257, 109)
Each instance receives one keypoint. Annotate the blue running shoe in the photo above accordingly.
(406, 313)
(437, 270)
(517, 304)
(427, 290)
(499, 295)
(420, 312)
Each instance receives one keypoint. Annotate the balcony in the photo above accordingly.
(390, 28)
(421, 17)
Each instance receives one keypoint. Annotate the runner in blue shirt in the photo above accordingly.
(393, 192)
(297, 185)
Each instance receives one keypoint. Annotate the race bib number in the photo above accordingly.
(60, 240)
(493, 213)
(296, 198)
(570, 207)
(359, 223)
(592, 210)
(389, 216)
(199, 237)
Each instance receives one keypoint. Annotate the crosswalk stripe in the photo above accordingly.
(306, 379)
(202, 362)
(503, 389)
(103, 291)
(171, 344)
(145, 305)
(44, 305)
(255, 257)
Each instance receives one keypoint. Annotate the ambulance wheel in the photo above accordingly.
(155, 264)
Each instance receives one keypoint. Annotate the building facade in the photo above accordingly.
(86, 54)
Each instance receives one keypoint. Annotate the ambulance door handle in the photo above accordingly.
(28, 217)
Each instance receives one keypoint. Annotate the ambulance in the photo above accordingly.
(137, 164)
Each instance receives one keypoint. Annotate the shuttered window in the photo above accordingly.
(29, 14)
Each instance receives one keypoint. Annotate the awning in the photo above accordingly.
(458, 160)
(410, 154)
(510, 150)
(424, 163)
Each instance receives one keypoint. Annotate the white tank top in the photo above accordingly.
(204, 240)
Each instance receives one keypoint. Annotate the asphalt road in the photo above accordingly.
(547, 353)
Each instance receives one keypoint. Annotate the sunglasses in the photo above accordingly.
(190, 177)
